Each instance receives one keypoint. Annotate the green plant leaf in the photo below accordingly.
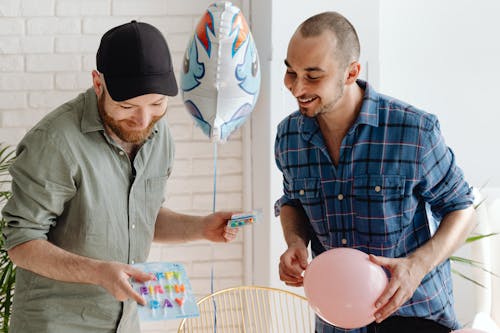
(474, 238)
(8, 273)
(472, 263)
(467, 278)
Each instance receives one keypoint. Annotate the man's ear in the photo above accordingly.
(353, 71)
(97, 83)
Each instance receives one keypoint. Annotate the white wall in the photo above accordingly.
(443, 56)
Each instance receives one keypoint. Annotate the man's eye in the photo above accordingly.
(312, 78)
(126, 107)
(290, 73)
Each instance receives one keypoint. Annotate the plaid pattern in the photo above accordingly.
(395, 180)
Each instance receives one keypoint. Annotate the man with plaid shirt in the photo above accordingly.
(367, 171)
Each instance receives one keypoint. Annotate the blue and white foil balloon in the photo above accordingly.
(220, 79)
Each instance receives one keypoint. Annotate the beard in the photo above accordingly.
(126, 135)
(325, 108)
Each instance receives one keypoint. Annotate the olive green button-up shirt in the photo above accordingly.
(73, 186)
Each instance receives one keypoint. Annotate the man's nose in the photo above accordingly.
(142, 118)
(297, 88)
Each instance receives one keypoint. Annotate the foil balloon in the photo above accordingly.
(220, 79)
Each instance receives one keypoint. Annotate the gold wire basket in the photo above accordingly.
(251, 309)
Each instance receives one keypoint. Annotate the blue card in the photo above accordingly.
(243, 219)
(168, 296)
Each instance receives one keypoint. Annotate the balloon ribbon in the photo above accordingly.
(213, 211)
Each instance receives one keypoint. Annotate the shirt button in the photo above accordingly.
(340, 196)
(121, 153)
(133, 226)
(301, 192)
(378, 188)
(344, 241)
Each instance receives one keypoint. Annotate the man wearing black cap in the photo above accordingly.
(88, 184)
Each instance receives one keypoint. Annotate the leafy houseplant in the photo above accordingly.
(7, 268)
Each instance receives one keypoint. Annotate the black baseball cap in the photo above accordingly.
(135, 60)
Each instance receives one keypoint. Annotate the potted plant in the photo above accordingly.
(7, 268)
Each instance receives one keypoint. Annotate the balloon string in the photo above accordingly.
(213, 299)
(213, 211)
(215, 176)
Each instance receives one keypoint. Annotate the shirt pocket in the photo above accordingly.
(308, 192)
(155, 196)
(378, 208)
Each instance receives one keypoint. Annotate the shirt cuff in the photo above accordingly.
(284, 200)
(14, 237)
(462, 201)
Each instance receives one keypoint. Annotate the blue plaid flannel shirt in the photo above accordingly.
(394, 182)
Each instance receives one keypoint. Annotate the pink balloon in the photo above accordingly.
(342, 285)
(468, 330)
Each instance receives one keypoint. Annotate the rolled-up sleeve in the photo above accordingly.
(43, 176)
(285, 199)
(443, 184)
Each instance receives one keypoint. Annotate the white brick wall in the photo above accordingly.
(47, 50)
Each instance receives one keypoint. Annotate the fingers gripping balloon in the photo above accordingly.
(220, 79)
(342, 285)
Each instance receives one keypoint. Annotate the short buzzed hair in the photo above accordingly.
(347, 41)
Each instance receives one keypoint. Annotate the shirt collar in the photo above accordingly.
(368, 114)
(91, 121)
(369, 109)
(308, 126)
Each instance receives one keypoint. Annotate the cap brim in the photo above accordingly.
(123, 88)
